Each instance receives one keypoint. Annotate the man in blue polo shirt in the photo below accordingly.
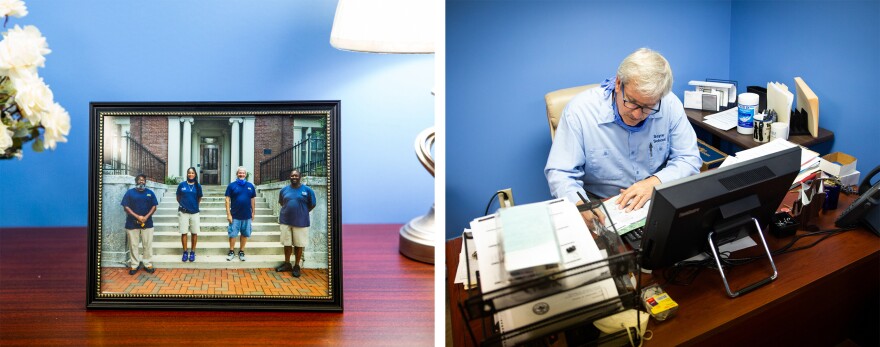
(240, 202)
(296, 201)
(139, 204)
(624, 137)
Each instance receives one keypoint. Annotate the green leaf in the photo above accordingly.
(37, 146)
(21, 132)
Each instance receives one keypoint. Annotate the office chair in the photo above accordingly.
(556, 102)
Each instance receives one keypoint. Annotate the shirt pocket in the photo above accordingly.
(604, 165)
(658, 157)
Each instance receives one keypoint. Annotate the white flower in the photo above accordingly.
(22, 50)
(13, 8)
(33, 96)
(56, 124)
(5, 137)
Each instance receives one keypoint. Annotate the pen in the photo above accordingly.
(651, 148)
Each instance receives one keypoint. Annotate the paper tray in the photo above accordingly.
(483, 306)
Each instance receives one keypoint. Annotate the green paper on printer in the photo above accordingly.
(528, 238)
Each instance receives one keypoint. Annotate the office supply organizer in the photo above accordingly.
(479, 309)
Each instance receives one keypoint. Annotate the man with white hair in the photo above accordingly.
(240, 209)
(624, 137)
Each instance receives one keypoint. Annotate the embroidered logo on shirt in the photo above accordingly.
(305, 194)
(659, 138)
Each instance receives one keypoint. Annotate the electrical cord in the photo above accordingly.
(490, 203)
(690, 269)
(493, 199)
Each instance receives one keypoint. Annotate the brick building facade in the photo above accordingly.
(216, 146)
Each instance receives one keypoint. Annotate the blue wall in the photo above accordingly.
(834, 46)
(502, 57)
(223, 51)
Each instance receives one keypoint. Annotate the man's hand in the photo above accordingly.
(229, 218)
(634, 197)
(589, 216)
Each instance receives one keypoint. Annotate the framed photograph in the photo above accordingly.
(215, 205)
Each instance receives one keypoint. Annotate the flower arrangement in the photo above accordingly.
(29, 112)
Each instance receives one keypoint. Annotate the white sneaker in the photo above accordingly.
(241, 256)
(230, 255)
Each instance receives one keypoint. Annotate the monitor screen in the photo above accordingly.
(683, 212)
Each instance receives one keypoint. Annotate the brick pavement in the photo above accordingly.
(313, 282)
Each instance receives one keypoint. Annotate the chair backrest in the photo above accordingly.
(556, 101)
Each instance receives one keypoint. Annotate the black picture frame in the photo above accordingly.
(128, 138)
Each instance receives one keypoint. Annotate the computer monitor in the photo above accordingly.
(684, 212)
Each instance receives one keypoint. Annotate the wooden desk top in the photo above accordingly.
(389, 300)
(746, 141)
(819, 291)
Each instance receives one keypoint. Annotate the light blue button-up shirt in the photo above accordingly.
(591, 152)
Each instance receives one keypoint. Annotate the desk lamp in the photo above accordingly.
(402, 27)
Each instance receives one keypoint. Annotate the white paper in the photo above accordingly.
(724, 120)
(775, 146)
(624, 221)
(461, 275)
(780, 100)
(550, 306)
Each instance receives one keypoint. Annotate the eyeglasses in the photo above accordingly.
(633, 106)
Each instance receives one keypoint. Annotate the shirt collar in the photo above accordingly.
(608, 115)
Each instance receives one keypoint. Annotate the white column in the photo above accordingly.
(234, 147)
(186, 141)
(120, 150)
(196, 156)
(247, 146)
(173, 146)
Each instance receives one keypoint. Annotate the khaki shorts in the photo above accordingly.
(186, 220)
(294, 236)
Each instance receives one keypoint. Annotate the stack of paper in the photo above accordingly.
(779, 99)
(724, 120)
(809, 159)
(528, 239)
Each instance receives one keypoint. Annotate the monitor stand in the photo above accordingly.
(734, 228)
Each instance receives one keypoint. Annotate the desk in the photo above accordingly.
(388, 300)
(745, 141)
(823, 295)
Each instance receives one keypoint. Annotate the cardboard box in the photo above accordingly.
(838, 164)
(711, 156)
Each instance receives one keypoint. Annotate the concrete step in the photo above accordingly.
(215, 227)
(207, 237)
(203, 219)
(220, 204)
(208, 261)
(219, 248)
(167, 211)
(205, 198)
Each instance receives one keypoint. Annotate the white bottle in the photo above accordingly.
(748, 106)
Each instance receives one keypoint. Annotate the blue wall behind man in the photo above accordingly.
(834, 46)
(502, 57)
(223, 51)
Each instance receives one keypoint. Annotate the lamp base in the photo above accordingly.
(417, 238)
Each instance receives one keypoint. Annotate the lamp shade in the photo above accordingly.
(384, 26)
